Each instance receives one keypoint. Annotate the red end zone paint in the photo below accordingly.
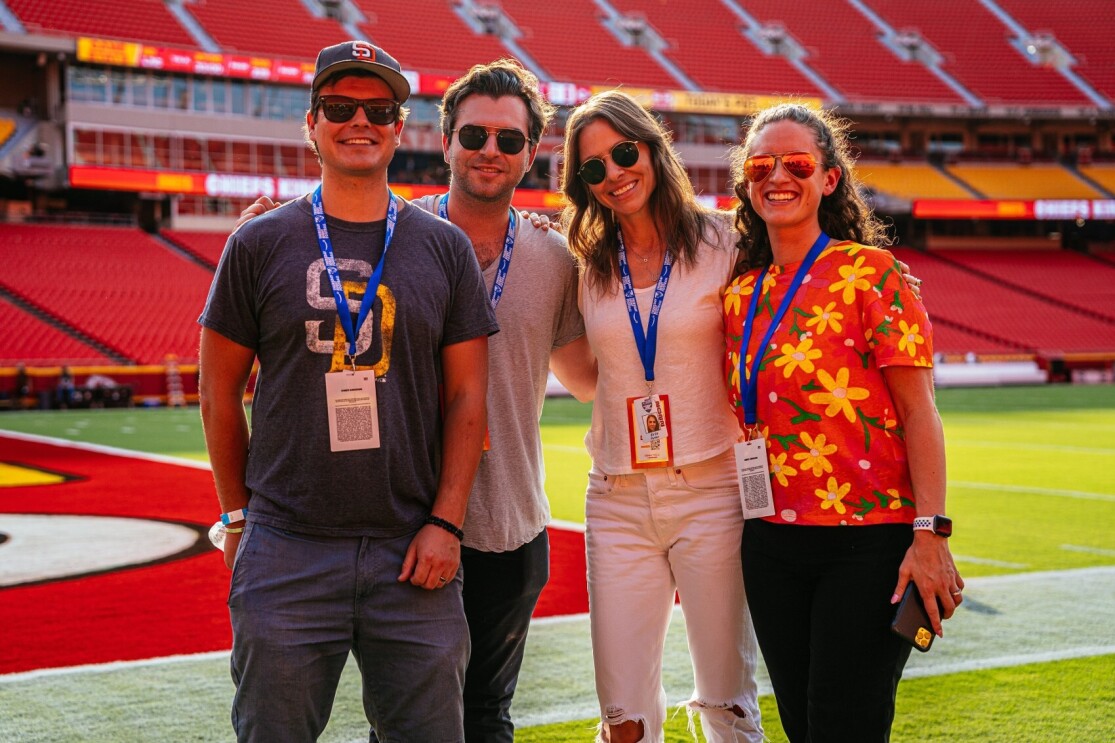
(159, 609)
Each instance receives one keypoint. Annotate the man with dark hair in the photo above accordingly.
(343, 521)
(492, 121)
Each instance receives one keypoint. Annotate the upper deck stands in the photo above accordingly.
(572, 46)
(141, 20)
(843, 49)
(977, 51)
(445, 46)
(707, 43)
(1084, 27)
(281, 28)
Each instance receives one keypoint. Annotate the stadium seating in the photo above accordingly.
(842, 48)
(1104, 175)
(572, 46)
(985, 306)
(116, 285)
(1037, 181)
(1067, 277)
(7, 128)
(281, 28)
(977, 52)
(139, 20)
(909, 180)
(444, 45)
(30, 340)
(207, 246)
(1084, 27)
(707, 43)
(954, 341)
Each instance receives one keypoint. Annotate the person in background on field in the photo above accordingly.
(663, 512)
(64, 392)
(828, 356)
(370, 321)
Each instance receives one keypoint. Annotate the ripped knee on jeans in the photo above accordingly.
(724, 716)
(620, 727)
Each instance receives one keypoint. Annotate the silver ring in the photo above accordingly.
(956, 593)
(441, 580)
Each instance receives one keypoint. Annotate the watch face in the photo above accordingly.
(942, 526)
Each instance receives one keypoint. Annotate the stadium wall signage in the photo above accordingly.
(167, 59)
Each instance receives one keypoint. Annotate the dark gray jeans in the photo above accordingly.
(300, 603)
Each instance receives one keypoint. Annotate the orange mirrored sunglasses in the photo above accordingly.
(758, 168)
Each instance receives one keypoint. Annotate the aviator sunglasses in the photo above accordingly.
(341, 108)
(758, 168)
(509, 141)
(624, 154)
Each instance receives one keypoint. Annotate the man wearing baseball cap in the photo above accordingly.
(369, 319)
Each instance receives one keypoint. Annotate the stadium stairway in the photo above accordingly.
(55, 322)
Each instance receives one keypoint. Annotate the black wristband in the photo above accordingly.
(448, 526)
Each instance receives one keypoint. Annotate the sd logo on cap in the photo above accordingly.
(361, 55)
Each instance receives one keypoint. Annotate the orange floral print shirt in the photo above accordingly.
(836, 451)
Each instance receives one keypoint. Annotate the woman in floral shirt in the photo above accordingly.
(841, 392)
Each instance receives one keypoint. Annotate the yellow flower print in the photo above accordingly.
(839, 395)
(825, 318)
(853, 280)
(895, 499)
(733, 374)
(910, 339)
(802, 356)
(780, 469)
(736, 291)
(816, 458)
(833, 495)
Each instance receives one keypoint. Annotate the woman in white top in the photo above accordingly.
(663, 510)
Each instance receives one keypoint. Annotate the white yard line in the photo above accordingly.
(102, 449)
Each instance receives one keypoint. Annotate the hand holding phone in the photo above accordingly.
(911, 621)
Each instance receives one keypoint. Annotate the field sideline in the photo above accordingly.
(1031, 655)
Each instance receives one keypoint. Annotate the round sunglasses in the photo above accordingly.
(473, 137)
(624, 154)
(758, 168)
(341, 108)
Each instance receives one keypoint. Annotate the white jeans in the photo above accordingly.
(648, 534)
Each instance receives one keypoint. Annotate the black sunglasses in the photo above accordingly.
(623, 154)
(341, 108)
(509, 141)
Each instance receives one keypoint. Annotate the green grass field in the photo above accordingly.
(1030, 488)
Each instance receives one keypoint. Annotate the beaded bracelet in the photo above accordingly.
(448, 526)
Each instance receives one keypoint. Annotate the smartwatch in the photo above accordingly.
(939, 525)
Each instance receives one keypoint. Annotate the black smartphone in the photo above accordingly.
(911, 622)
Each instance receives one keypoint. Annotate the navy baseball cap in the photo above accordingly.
(361, 55)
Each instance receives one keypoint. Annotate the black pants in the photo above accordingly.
(820, 602)
(500, 592)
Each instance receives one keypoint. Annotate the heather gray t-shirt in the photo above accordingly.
(271, 293)
(537, 313)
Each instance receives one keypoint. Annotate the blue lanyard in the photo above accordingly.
(647, 343)
(504, 258)
(749, 388)
(339, 297)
